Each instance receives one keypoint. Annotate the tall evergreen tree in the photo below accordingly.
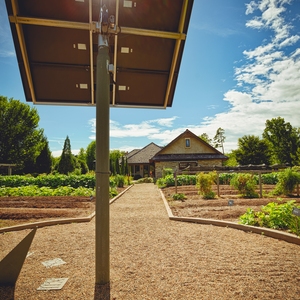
(44, 161)
(67, 162)
(117, 164)
(122, 170)
(91, 155)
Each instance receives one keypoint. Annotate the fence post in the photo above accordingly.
(175, 177)
(218, 184)
(260, 184)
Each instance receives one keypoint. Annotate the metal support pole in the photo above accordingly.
(102, 162)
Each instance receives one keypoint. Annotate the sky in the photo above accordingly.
(240, 67)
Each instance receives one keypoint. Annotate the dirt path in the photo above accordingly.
(155, 258)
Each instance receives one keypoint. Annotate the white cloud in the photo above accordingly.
(268, 83)
(251, 7)
(7, 53)
(167, 122)
(255, 23)
(146, 129)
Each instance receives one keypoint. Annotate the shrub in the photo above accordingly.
(224, 178)
(145, 180)
(120, 180)
(169, 180)
(179, 196)
(270, 178)
(287, 182)
(205, 182)
(167, 171)
(245, 183)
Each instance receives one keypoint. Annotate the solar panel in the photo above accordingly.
(56, 44)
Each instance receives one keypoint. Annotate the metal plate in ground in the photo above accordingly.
(53, 262)
(29, 254)
(296, 211)
(53, 284)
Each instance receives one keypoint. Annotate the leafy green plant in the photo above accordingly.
(273, 215)
(245, 183)
(169, 180)
(249, 218)
(167, 171)
(120, 180)
(224, 178)
(145, 180)
(287, 182)
(34, 190)
(179, 196)
(204, 184)
(270, 178)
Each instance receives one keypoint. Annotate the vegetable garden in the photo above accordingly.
(239, 198)
(25, 199)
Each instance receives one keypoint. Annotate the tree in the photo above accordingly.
(81, 154)
(231, 161)
(284, 140)
(204, 136)
(67, 161)
(91, 155)
(219, 139)
(252, 150)
(81, 161)
(43, 162)
(122, 170)
(20, 138)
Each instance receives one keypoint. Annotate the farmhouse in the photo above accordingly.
(187, 150)
(138, 161)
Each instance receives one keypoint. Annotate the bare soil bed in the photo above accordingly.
(24, 209)
(195, 206)
(20, 210)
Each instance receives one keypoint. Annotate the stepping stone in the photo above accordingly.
(53, 262)
(53, 284)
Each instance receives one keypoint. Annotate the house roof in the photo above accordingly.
(188, 157)
(163, 156)
(132, 152)
(143, 155)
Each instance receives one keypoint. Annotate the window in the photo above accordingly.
(185, 164)
(187, 143)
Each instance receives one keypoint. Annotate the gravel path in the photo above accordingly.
(155, 258)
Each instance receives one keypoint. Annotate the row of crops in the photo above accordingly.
(56, 185)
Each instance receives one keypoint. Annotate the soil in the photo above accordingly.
(21, 210)
(152, 257)
(219, 209)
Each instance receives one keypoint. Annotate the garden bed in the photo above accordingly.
(27, 209)
(20, 210)
(195, 206)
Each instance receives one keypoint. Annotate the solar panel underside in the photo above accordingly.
(56, 45)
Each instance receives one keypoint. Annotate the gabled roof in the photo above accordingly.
(212, 153)
(143, 155)
(132, 152)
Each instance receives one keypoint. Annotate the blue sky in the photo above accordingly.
(241, 66)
